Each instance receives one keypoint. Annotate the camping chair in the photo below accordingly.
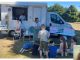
(26, 47)
(17, 34)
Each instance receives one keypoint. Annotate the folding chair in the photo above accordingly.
(17, 34)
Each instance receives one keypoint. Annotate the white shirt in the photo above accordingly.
(43, 35)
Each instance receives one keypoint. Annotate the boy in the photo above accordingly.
(43, 36)
(52, 50)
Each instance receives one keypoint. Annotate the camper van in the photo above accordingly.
(10, 13)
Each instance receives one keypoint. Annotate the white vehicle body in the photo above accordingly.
(34, 9)
(58, 25)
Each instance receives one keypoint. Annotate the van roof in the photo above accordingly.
(24, 3)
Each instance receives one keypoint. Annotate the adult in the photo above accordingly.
(22, 18)
(36, 29)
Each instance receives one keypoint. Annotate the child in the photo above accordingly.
(26, 46)
(43, 36)
(63, 47)
(73, 42)
(52, 50)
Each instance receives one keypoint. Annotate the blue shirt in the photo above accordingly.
(27, 45)
(52, 51)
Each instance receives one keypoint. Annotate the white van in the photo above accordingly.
(11, 12)
(58, 25)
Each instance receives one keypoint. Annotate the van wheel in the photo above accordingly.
(11, 33)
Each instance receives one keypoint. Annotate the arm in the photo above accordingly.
(48, 34)
(66, 45)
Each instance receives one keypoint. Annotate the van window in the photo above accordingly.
(0, 12)
(17, 11)
(56, 19)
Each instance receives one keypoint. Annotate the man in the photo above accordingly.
(36, 29)
(22, 18)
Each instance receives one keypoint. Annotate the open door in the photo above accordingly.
(37, 13)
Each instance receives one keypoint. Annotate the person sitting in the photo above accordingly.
(63, 47)
(73, 42)
(26, 46)
(52, 50)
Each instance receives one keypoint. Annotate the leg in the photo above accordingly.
(66, 53)
(46, 49)
(41, 49)
(60, 51)
(40, 52)
(47, 54)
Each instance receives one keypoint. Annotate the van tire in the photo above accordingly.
(11, 33)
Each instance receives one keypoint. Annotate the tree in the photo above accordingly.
(78, 20)
(57, 8)
(71, 14)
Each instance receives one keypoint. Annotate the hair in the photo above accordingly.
(78, 57)
(43, 26)
(64, 44)
(51, 42)
(36, 19)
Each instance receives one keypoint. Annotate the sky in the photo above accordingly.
(66, 4)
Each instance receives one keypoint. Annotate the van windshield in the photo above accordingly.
(56, 19)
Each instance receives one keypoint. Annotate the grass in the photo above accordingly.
(10, 48)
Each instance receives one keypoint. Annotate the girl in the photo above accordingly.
(63, 47)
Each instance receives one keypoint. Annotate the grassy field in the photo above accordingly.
(10, 48)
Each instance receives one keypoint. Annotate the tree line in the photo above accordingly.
(70, 14)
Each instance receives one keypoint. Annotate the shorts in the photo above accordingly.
(43, 45)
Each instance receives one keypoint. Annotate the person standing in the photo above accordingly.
(22, 18)
(36, 29)
(43, 36)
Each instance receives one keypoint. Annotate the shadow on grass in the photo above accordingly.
(2, 36)
(18, 45)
